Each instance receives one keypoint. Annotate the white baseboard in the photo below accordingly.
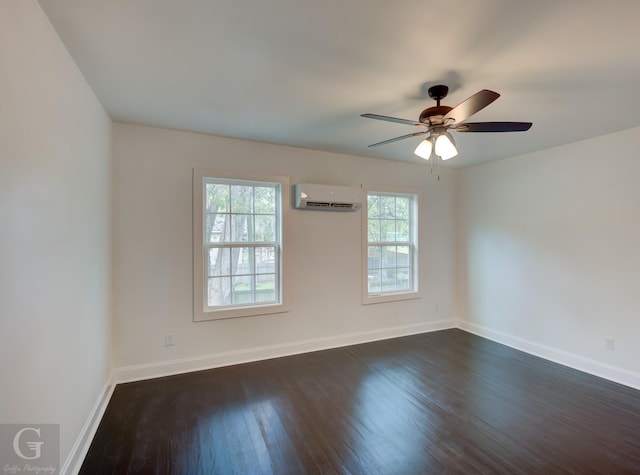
(79, 450)
(596, 368)
(185, 365)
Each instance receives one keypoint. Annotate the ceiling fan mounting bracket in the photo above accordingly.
(438, 92)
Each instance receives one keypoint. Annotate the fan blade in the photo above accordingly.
(493, 127)
(474, 104)
(391, 119)
(402, 137)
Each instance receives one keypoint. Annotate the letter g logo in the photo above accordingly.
(34, 446)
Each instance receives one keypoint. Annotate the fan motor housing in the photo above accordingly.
(426, 114)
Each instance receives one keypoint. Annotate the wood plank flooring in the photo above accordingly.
(442, 402)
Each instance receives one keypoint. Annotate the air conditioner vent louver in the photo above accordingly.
(327, 197)
(326, 204)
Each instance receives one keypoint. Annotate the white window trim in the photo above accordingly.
(418, 277)
(200, 314)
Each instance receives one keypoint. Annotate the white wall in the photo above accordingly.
(55, 238)
(153, 265)
(549, 256)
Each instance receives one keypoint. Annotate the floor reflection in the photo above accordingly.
(391, 427)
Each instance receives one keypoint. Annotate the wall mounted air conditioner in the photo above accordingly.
(327, 197)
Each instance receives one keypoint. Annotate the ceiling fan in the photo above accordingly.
(436, 122)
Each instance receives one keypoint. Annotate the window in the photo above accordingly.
(237, 245)
(391, 246)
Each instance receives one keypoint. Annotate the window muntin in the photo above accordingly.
(391, 244)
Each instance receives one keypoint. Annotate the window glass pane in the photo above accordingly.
(241, 199)
(241, 227)
(388, 206)
(403, 278)
(265, 200)
(266, 288)
(373, 206)
(219, 262)
(387, 230)
(374, 280)
(241, 261)
(389, 280)
(403, 259)
(242, 289)
(219, 291)
(402, 230)
(373, 226)
(213, 258)
(374, 257)
(388, 256)
(216, 228)
(265, 229)
(217, 198)
(265, 260)
(402, 207)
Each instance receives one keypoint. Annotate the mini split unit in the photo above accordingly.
(327, 197)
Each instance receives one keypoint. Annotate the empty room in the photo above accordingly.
(286, 237)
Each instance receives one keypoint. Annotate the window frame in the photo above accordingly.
(201, 310)
(414, 239)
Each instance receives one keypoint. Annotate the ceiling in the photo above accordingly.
(300, 72)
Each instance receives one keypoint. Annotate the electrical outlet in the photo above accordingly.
(168, 339)
(609, 343)
(437, 308)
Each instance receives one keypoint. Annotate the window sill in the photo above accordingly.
(383, 298)
(225, 314)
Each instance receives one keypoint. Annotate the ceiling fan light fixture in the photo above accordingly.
(423, 150)
(445, 146)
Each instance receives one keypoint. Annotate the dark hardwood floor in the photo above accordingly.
(442, 402)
